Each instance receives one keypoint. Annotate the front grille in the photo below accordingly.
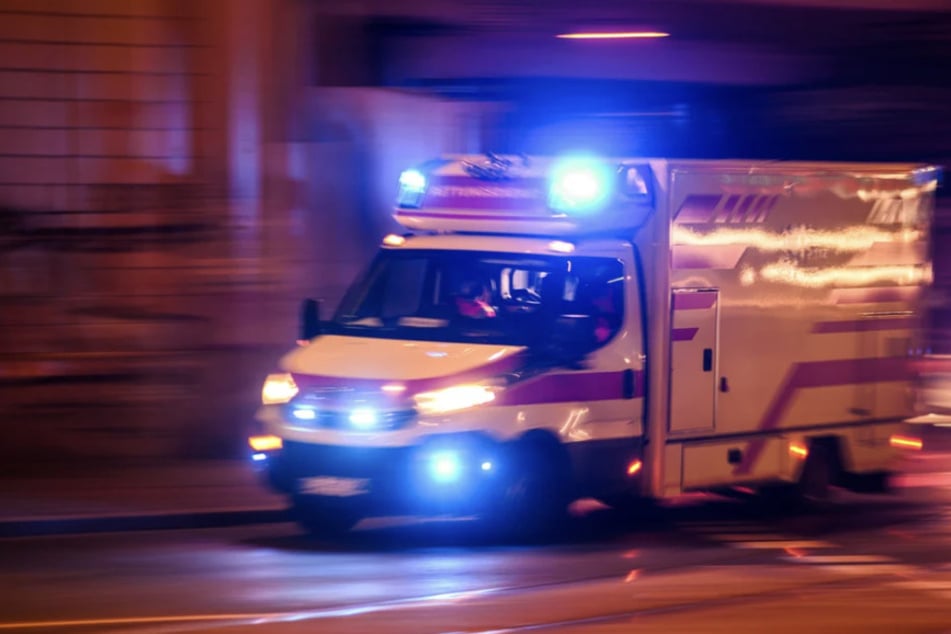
(352, 462)
(389, 469)
(332, 408)
(340, 419)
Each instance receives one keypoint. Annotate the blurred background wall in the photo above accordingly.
(176, 174)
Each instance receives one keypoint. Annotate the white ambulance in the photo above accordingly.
(622, 329)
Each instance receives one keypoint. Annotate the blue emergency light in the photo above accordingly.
(580, 185)
(412, 189)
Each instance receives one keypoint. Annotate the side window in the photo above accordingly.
(473, 290)
(520, 290)
(599, 292)
(403, 291)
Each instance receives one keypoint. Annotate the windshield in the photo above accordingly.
(479, 297)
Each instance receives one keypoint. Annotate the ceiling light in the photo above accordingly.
(618, 35)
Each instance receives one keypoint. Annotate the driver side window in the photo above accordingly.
(598, 291)
(403, 291)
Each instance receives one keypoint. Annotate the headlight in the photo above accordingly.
(278, 389)
(454, 398)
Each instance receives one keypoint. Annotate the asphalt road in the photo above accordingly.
(862, 564)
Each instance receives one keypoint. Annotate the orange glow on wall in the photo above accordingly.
(634, 467)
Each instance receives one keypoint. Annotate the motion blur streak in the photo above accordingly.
(801, 239)
(137, 620)
(790, 273)
(261, 618)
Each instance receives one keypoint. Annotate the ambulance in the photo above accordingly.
(554, 328)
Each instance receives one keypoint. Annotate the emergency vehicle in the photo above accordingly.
(623, 329)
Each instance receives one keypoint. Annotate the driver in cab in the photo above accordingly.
(473, 300)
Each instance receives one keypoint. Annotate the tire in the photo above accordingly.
(879, 482)
(535, 495)
(632, 508)
(323, 517)
(813, 488)
(818, 474)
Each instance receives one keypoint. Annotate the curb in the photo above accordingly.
(143, 522)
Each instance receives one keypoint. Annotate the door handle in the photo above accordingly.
(724, 384)
(707, 359)
(627, 388)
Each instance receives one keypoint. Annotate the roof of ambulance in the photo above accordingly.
(797, 166)
(811, 167)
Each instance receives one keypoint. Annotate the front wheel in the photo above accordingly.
(634, 508)
(536, 492)
(323, 517)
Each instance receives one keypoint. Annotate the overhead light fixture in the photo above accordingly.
(617, 35)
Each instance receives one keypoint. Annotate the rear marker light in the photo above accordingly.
(798, 450)
(906, 442)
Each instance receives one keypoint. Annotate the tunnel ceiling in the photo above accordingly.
(755, 42)
(797, 24)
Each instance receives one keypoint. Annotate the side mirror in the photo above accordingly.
(635, 182)
(309, 319)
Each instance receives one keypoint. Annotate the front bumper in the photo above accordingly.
(458, 473)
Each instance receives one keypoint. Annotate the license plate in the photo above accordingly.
(336, 487)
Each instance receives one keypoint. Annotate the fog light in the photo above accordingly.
(445, 467)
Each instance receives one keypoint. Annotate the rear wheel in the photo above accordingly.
(815, 482)
(325, 517)
(878, 482)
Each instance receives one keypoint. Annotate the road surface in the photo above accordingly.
(708, 564)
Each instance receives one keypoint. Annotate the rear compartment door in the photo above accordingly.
(694, 358)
